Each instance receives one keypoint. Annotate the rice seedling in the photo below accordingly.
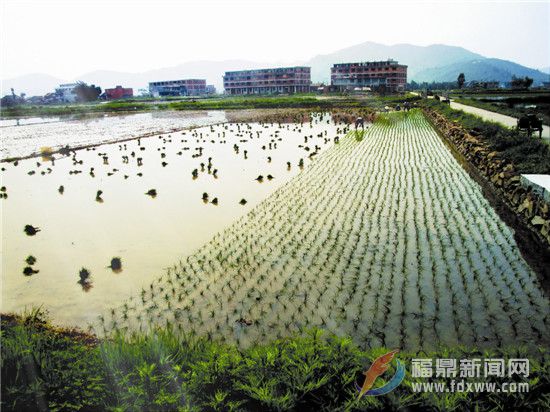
(29, 271)
(31, 230)
(31, 260)
(84, 279)
(116, 265)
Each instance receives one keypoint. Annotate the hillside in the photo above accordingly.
(437, 62)
(481, 70)
(417, 58)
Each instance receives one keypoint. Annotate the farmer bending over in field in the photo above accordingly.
(361, 122)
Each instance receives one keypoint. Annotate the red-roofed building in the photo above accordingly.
(118, 92)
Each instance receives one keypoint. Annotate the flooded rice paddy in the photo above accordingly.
(384, 238)
(22, 137)
(141, 200)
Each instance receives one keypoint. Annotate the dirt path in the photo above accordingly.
(507, 121)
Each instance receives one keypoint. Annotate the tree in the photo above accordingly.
(521, 83)
(85, 93)
(460, 80)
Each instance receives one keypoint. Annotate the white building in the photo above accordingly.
(66, 92)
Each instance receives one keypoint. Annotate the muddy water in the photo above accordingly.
(147, 233)
(21, 137)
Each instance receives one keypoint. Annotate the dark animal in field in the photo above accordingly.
(530, 123)
(31, 230)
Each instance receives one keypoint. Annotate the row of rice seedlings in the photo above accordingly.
(386, 239)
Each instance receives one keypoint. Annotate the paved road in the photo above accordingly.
(496, 117)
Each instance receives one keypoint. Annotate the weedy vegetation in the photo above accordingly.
(45, 368)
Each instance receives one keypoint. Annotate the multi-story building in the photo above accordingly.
(382, 75)
(66, 92)
(268, 81)
(187, 87)
(118, 92)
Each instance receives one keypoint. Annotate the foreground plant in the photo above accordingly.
(47, 368)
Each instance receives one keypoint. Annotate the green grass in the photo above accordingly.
(47, 368)
(529, 155)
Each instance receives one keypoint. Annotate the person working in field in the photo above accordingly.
(359, 122)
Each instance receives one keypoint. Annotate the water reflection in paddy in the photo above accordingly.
(21, 137)
(147, 233)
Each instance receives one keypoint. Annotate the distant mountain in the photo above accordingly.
(481, 70)
(437, 62)
(417, 58)
(545, 69)
(35, 84)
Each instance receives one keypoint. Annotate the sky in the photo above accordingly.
(67, 38)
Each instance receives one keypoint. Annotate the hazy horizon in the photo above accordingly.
(67, 39)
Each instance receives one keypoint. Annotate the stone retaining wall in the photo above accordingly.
(533, 210)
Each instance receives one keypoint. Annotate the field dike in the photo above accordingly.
(385, 238)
